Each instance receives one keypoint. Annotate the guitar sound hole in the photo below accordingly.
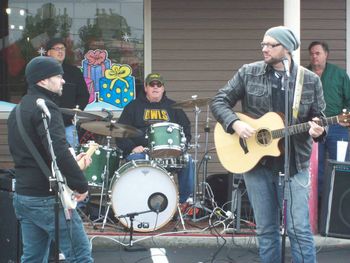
(264, 137)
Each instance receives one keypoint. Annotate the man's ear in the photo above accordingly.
(42, 82)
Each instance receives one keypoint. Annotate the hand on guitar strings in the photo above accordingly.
(80, 197)
(243, 129)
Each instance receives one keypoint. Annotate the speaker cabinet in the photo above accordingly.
(9, 230)
(335, 212)
(221, 186)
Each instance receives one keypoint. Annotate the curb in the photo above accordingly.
(162, 240)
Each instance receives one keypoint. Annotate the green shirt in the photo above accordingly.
(336, 89)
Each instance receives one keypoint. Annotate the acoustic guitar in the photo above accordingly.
(239, 155)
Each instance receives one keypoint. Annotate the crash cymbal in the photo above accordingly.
(191, 103)
(111, 129)
(81, 114)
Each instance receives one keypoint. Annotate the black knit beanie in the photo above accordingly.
(40, 68)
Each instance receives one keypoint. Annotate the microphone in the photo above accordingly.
(109, 114)
(157, 202)
(157, 207)
(42, 105)
(285, 62)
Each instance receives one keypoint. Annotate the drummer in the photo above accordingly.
(154, 107)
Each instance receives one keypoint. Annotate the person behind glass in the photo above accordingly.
(75, 92)
(336, 90)
(260, 87)
(33, 201)
(154, 107)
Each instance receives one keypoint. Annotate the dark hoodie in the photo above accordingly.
(30, 180)
(141, 113)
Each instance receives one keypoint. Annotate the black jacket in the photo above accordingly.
(29, 178)
(74, 91)
(141, 113)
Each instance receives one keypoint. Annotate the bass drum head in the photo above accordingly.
(133, 186)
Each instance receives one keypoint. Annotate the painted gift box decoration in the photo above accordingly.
(94, 65)
(91, 89)
(118, 86)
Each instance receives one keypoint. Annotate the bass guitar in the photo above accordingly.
(239, 155)
(67, 195)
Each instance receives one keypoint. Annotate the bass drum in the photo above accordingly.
(136, 187)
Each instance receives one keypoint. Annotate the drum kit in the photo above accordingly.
(144, 189)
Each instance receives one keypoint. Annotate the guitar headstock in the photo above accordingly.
(344, 118)
(92, 145)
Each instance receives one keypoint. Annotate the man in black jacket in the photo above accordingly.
(151, 108)
(75, 93)
(34, 198)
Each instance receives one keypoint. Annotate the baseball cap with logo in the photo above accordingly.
(154, 77)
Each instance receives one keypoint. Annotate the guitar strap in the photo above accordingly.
(298, 90)
(28, 142)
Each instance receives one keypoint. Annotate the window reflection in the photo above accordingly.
(114, 27)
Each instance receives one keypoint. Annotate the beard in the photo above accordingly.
(273, 61)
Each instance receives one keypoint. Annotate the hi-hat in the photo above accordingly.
(111, 129)
(191, 103)
(81, 114)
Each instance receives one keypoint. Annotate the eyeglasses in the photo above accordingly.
(154, 84)
(58, 49)
(268, 45)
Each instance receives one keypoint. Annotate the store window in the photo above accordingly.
(104, 38)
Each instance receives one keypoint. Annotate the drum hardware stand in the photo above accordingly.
(81, 212)
(75, 132)
(181, 218)
(105, 188)
(199, 203)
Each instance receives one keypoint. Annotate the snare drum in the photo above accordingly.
(173, 163)
(165, 139)
(132, 188)
(96, 171)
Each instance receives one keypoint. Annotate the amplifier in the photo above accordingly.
(335, 212)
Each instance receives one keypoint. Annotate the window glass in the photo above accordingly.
(101, 36)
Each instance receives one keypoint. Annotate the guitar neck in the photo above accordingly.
(303, 127)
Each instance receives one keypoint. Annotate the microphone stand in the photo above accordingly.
(56, 180)
(286, 163)
(130, 247)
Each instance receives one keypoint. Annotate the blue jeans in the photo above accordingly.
(185, 176)
(37, 219)
(72, 136)
(335, 133)
(265, 192)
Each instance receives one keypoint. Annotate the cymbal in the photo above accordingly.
(81, 114)
(111, 129)
(191, 103)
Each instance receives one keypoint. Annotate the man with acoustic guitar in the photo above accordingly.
(261, 87)
(34, 197)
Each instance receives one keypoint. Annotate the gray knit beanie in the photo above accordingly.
(285, 36)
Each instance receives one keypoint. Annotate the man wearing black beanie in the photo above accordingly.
(34, 199)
